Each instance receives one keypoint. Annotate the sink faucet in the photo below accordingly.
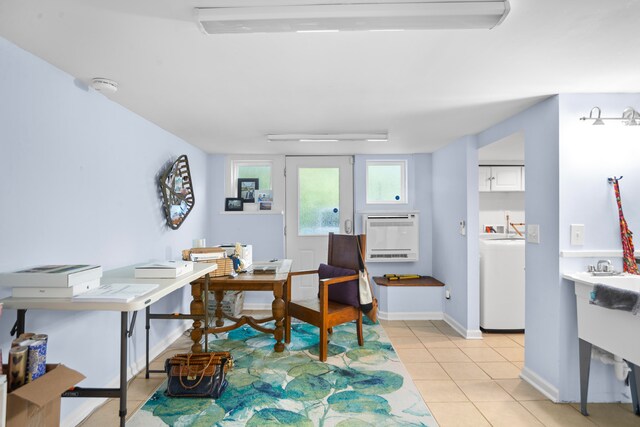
(604, 265)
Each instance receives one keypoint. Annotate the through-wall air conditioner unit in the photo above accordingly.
(391, 237)
(277, 16)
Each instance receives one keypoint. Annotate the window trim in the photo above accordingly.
(404, 193)
(277, 180)
(236, 164)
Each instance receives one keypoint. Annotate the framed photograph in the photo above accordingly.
(247, 188)
(265, 206)
(264, 196)
(233, 204)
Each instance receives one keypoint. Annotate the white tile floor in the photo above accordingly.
(464, 382)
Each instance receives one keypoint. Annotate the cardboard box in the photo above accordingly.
(37, 404)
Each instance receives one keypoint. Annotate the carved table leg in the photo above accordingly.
(196, 307)
(287, 318)
(219, 297)
(278, 309)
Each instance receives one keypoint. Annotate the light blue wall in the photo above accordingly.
(409, 302)
(567, 163)
(543, 293)
(453, 170)
(264, 231)
(588, 156)
(79, 187)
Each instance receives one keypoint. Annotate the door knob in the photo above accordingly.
(348, 226)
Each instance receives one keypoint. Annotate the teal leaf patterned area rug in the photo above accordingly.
(356, 387)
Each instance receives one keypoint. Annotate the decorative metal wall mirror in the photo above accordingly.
(177, 192)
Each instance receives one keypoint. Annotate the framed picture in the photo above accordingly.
(233, 204)
(264, 196)
(247, 188)
(265, 206)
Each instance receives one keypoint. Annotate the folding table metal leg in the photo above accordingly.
(584, 350)
(147, 326)
(634, 382)
(18, 327)
(124, 320)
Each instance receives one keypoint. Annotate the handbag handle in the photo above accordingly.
(362, 264)
(189, 371)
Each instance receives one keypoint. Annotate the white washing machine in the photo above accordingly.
(502, 284)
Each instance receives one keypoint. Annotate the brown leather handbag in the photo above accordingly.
(198, 374)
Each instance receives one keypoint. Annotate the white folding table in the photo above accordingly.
(121, 275)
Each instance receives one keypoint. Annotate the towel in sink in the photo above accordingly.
(615, 298)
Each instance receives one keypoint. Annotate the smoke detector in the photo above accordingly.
(104, 85)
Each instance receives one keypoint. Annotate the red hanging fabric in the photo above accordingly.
(628, 259)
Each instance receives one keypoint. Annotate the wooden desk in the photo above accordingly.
(121, 275)
(245, 282)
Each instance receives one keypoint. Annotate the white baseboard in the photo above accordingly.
(470, 334)
(257, 306)
(384, 315)
(134, 368)
(419, 315)
(540, 384)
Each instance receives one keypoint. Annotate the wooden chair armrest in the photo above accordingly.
(341, 279)
(325, 283)
(300, 273)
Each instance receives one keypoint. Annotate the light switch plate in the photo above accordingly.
(533, 233)
(577, 234)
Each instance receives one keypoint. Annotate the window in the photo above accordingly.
(260, 170)
(386, 181)
(269, 170)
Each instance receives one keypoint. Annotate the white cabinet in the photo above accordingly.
(484, 178)
(501, 178)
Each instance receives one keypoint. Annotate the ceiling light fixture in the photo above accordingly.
(226, 17)
(104, 85)
(629, 117)
(326, 137)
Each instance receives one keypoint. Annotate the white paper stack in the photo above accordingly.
(52, 281)
(54, 292)
(51, 276)
(164, 270)
(207, 256)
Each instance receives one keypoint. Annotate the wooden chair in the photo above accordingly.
(320, 312)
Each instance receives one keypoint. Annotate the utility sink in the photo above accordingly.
(500, 236)
(613, 330)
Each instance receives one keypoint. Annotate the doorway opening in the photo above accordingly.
(501, 168)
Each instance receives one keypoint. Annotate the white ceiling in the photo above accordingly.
(225, 93)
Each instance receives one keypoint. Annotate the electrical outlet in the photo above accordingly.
(447, 294)
(577, 234)
(462, 228)
(533, 233)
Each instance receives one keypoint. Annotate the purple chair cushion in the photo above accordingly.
(345, 293)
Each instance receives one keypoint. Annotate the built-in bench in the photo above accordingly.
(422, 281)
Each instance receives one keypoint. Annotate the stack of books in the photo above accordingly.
(163, 270)
(52, 281)
(207, 254)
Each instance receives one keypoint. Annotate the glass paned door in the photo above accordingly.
(319, 200)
